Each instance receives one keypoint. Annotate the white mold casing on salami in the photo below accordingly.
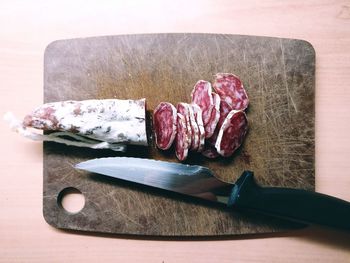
(108, 120)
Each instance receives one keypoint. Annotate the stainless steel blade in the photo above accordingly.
(191, 180)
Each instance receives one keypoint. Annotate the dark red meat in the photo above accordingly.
(231, 90)
(210, 151)
(201, 95)
(164, 125)
(214, 116)
(232, 133)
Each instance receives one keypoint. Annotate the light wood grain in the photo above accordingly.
(27, 28)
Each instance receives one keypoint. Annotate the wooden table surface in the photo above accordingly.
(28, 27)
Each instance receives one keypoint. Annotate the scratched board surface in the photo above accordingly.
(280, 146)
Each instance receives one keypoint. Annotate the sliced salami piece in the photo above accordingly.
(232, 133)
(195, 130)
(183, 108)
(182, 141)
(214, 116)
(198, 116)
(210, 142)
(224, 111)
(231, 90)
(201, 95)
(164, 125)
(109, 120)
(210, 150)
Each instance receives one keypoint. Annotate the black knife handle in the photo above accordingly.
(293, 204)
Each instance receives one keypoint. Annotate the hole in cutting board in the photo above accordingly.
(71, 200)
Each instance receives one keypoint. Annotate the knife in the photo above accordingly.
(245, 194)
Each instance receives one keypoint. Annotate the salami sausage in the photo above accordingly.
(110, 120)
(201, 95)
(165, 125)
(232, 133)
(182, 140)
(214, 123)
(231, 90)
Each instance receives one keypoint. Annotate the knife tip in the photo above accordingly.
(78, 166)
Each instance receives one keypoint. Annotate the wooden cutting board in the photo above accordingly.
(279, 76)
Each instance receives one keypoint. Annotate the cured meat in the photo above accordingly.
(195, 130)
(214, 123)
(232, 133)
(182, 140)
(183, 108)
(165, 124)
(224, 111)
(210, 150)
(111, 120)
(214, 116)
(202, 96)
(198, 116)
(231, 90)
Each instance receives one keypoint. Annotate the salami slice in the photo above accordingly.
(201, 95)
(198, 116)
(183, 108)
(214, 116)
(164, 125)
(224, 111)
(195, 130)
(231, 90)
(182, 141)
(232, 133)
(210, 150)
(109, 120)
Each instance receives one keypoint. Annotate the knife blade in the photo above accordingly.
(245, 194)
(194, 180)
